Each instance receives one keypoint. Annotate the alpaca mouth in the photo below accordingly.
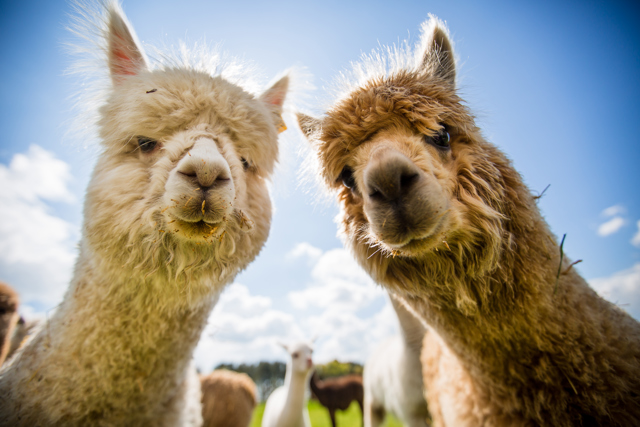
(197, 229)
(415, 242)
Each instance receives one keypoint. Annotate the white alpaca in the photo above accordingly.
(287, 405)
(393, 374)
(176, 207)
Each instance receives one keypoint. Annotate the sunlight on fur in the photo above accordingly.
(439, 216)
(177, 205)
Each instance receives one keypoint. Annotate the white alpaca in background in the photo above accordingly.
(392, 376)
(287, 405)
(176, 207)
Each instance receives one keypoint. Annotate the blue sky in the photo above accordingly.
(553, 84)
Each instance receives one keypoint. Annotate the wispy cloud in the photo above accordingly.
(304, 250)
(37, 248)
(635, 241)
(611, 226)
(614, 210)
(622, 288)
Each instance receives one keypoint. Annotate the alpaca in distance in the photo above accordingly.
(439, 216)
(9, 302)
(338, 393)
(287, 405)
(393, 374)
(177, 205)
(228, 399)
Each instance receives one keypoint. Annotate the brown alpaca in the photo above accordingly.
(228, 399)
(338, 393)
(440, 217)
(8, 318)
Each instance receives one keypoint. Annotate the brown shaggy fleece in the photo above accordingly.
(8, 317)
(440, 217)
(228, 399)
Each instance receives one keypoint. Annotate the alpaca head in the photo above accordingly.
(8, 317)
(301, 361)
(8, 303)
(185, 156)
(412, 173)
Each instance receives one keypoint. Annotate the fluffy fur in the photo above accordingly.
(337, 393)
(517, 336)
(228, 399)
(8, 318)
(393, 375)
(287, 405)
(177, 205)
(23, 330)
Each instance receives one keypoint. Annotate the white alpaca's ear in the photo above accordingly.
(125, 57)
(436, 53)
(283, 345)
(310, 127)
(274, 96)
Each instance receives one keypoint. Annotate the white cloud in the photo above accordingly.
(338, 281)
(614, 210)
(611, 226)
(622, 288)
(304, 249)
(37, 249)
(635, 241)
(245, 328)
(341, 306)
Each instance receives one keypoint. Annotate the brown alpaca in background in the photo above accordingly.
(338, 393)
(228, 399)
(8, 318)
(440, 217)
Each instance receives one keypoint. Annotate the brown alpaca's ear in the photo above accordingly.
(275, 95)
(437, 56)
(310, 127)
(125, 57)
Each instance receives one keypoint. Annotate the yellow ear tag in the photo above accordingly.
(281, 127)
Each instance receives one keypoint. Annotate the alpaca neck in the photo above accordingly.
(412, 329)
(527, 323)
(125, 340)
(296, 386)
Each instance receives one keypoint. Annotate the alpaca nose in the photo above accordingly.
(205, 165)
(389, 176)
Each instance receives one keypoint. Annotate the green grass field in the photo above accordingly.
(320, 416)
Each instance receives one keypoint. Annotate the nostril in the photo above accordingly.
(189, 173)
(407, 180)
(376, 195)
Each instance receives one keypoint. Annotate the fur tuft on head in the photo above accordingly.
(399, 103)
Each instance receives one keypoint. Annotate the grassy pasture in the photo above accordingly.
(320, 416)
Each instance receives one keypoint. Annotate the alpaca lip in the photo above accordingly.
(415, 244)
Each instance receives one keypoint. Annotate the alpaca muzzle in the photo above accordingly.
(401, 201)
(200, 192)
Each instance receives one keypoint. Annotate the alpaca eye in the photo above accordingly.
(245, 163)
(294, 355)
(441, 140)
(347, 178)
(146, 144)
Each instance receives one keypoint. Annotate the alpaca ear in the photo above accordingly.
(310, 127)
(275, 95)
(437, 56)
(125, 57)
(283, 345)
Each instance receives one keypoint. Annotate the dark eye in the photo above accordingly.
(346, 176)
(294, 355)
(146, 144)
(440, 140)
(245, 163)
